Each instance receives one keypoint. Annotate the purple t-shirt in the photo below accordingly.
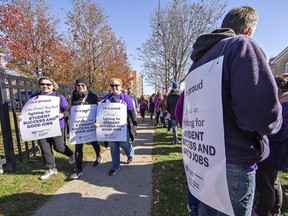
(120, 97)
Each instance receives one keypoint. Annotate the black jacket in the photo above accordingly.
(172, 99)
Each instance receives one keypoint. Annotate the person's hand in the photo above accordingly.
(19, 118)
(60, 115)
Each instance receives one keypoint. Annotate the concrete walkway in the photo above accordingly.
(127, 193)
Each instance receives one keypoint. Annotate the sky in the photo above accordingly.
(130, 21)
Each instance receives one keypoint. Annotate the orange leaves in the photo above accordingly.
(29, 38)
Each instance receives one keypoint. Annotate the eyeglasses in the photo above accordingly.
(82, 85)
(46, 84)
(114, 85)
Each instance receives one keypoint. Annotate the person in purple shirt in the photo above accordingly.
(48, 87)
(116, 96)
(251, 109)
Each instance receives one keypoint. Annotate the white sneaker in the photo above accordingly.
(72, 158)
(168, 132)
(76, 175)
(48, 174)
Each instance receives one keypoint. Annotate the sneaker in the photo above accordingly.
(113, 172)
(98, 161)
(76, 175)
(48, 174)
(168, 132)
(72, 158)
(129, 160)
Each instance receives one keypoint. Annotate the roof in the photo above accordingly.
(279, 56)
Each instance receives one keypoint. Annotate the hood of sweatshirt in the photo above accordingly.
(207, 41)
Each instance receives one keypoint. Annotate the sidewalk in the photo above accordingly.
(127, 193)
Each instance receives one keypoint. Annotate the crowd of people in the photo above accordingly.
(255, 112)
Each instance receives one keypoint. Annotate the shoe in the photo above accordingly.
(76, 175)
(48, 174)
(72, 158)
(98, 161)
(113, 172)
(129, 160)
(168, 132)
(174, 143)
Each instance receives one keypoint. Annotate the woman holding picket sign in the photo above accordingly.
(116, 96)
(48, 87)
(83, 96)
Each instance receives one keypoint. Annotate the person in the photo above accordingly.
(116, 96)
(143, 105)
(48, 87)
(151, 106)
(134, 98)
(251, 109)
(172, 99)
(157, 111)
(268, 185)
(162, 108)
(83, 96)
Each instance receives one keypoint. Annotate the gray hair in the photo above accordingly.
(241, 19)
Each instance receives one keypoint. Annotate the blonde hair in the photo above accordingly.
(117, 80)
(55, 85)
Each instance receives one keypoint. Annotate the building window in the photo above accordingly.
(286, 68)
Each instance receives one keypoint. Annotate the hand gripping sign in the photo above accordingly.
(112, 122)
(39, 118)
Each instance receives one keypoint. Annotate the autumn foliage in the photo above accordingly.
(30, 42)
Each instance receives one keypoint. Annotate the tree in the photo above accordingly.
(175, 28)
(102, 56)
(29, 38)
(116, 63)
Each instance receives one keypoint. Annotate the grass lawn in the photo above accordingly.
(21, 193)
(170, 187)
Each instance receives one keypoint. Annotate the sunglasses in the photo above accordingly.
(82, 85)
(114, 85)
(46, 84)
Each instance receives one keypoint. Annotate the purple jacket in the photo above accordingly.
(279, 142)
(251, 108)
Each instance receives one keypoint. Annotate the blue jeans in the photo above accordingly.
(115, 152)
(193, 204)
(241, 185)
(175, 131)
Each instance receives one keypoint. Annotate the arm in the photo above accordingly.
(64, 107)
(178, 113)
(254, 98)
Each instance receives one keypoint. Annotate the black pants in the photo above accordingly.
(79, 153)
(157, 117)
(269, 189)
(58, 145)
